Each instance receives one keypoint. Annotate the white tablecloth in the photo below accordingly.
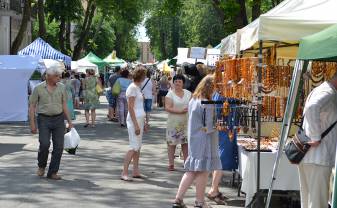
(286, 179)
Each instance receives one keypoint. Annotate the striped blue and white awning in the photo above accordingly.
(46, 51)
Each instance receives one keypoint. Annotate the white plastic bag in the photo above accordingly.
(71, 139)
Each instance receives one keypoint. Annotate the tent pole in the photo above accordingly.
(259, 110)
(295, 88)
(334, 193)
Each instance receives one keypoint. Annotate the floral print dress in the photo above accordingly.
(176, 129)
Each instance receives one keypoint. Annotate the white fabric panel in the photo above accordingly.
(291, 20)
(229, 45)
(298, 18)
(82, 65)
(15, 72)
(286, 180)
(182, 56)
(248, 35)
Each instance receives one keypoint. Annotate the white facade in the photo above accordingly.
(10, 20)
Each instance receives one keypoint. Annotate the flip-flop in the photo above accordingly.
(218, 199)
(125, 178)
(138, 176)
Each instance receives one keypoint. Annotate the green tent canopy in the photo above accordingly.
(319, 46)
(113, 60)
(92, 58)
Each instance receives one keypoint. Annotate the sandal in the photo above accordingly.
(179, 204)
(126, 178)
(138, 176)
(201, 205)
(171, 168)
(218, 199)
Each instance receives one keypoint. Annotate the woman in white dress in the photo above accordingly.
(135, 123)
(176, 102)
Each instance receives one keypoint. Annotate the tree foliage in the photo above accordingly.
(106, 25)
(178, 23)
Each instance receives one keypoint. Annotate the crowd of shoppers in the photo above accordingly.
(189, 124)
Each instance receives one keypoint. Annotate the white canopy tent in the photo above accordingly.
(287, 22)
(15, 72)
(82, 65)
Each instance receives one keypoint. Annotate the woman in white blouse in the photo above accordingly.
(176, 102)
(135, 123)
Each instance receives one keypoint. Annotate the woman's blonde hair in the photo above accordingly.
(205, 88)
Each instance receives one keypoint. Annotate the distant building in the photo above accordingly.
(10, 20)
(145, 53)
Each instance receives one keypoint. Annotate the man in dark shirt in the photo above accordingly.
(113, 99)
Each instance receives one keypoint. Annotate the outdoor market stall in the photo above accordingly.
(113, 61)
(237, 79)
(45, 51)
(318, 47)
(92, 58)
(294, 19)
(82, 65)
(15, 72)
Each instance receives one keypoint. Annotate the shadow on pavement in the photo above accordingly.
(10, 148)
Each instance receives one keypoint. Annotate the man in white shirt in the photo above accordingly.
(320, 112)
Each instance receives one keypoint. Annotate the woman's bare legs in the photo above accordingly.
(185, 183)
(93, 117)
(201, 183)
(87, 114)
(127, 160)
(171, 149)
(184, 148)
(135, 158)
(217, 175)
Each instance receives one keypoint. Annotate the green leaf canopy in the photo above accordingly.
(92, 58)
(319, 46)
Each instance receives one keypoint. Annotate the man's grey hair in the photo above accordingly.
(54, 67)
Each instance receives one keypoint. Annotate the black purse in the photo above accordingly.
(296, 149)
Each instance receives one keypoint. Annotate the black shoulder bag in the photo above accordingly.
(297, 148)
(148, 79)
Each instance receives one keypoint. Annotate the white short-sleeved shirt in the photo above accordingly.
(320, 112)
(134, 91)
(148, 88)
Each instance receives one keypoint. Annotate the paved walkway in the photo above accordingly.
(91, 177)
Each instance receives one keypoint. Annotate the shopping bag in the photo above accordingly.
(99, 89)
(116, 88)
(71, 139)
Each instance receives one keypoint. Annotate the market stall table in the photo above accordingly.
(287, 178)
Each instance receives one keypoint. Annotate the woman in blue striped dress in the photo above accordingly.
(203, 154)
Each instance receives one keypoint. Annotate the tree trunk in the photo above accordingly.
(41, 18)
(175, 36)
(256, 9)
(219, 10)
(68, 32)
(241, 19)
(89, 14)
(23, 27)
(61, 35)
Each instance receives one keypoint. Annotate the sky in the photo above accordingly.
(141, 33)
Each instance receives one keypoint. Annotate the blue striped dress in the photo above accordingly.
(203, 146)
